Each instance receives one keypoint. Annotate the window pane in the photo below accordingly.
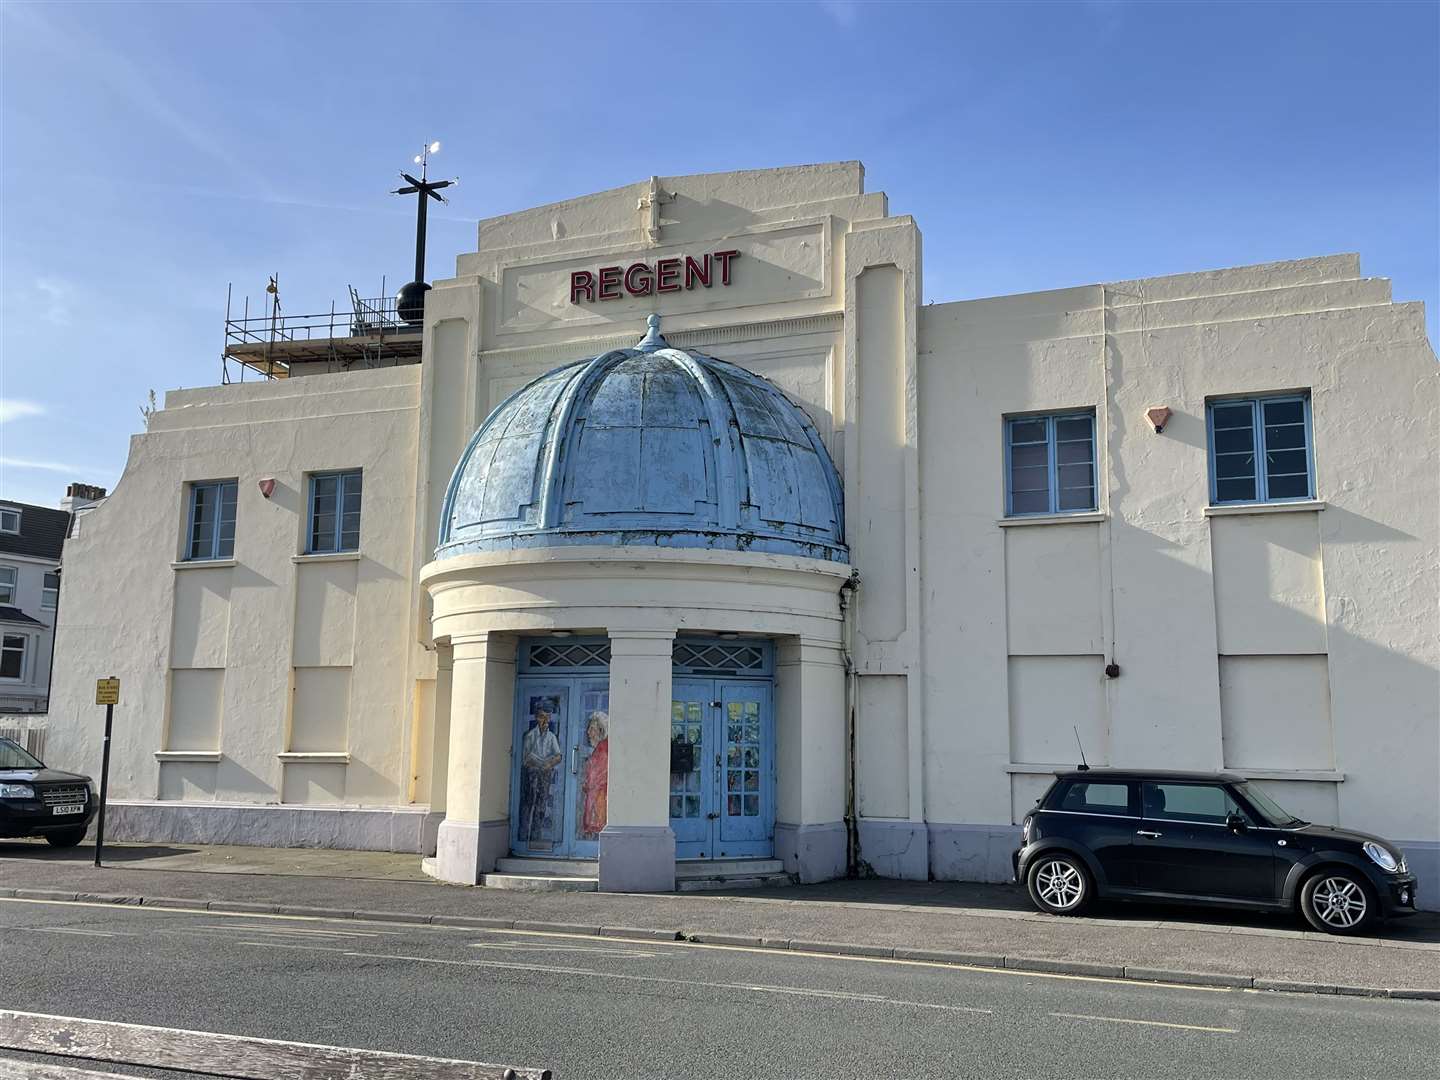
(7, 584)
(12, 656)
(1289, 487)
(1070, 453)
(1087, 798)
(1284, 412)
(1078, 427)
(1241, 490)
(1286, 463)
(1234, 465)
(202, 521)
(1232, 440)
(1237, 415)
(1030, 478)
(1027, 431)
(1077, 488)
(1186, 802)
(1029, 456)
(1284, 436)
(1032, 502)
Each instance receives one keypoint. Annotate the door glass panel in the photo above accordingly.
(742, 758)
(594, 764)
(541, 827)
(1189, 802)
(687, 727)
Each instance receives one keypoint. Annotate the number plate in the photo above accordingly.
(73, 808)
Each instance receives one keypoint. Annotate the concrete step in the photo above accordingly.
(549, 867)
(738, 881)
(712, 868)
(540, 882)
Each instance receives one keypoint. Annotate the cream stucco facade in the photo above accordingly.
(919, 694)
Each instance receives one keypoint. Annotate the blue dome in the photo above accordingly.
(651, 446)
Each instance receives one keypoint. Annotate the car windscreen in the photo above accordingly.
(1271, 811)
(15, 756)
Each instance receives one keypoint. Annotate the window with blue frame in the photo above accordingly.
(211, 533)
(1050, 464)
(334, 512)
(1260, 450)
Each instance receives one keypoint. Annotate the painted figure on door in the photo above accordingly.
(594, 777)
(540, 754)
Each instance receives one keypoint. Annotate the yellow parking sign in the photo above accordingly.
(107, 691)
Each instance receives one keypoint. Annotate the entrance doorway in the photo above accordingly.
(561, 764)
(722, 768)
(722, 749)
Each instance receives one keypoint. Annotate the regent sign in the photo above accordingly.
(645, 279)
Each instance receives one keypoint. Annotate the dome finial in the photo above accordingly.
(652, 339)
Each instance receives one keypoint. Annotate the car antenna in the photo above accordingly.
(1084, 765)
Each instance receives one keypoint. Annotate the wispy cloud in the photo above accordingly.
(844, 12)
(57, 294)
(16, 409)
(128, 81)
(43, 466)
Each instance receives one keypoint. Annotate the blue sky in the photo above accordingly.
(151, 154)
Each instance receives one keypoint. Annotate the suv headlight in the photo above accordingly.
(1380, 857)
(16, 791)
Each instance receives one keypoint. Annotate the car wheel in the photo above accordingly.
(1337, 901)
(1059, 884)
(67, 838)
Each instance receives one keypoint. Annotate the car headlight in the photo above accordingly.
(16, 791)
(1380, 857)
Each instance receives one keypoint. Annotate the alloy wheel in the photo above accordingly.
(1060, 884)
(1339, 902)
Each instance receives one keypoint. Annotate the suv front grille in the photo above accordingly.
(65, 795)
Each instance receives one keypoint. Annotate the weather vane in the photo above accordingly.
(410, 303)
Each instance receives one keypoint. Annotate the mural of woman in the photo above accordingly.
(594, 776)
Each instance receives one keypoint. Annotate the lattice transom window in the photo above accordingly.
(576, 655)
(719, 656)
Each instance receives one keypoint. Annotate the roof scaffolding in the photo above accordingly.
(278, 346)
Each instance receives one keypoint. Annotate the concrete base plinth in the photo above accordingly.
(637, 858)
(343, 828)
(972, 852)
(812, 852)
(894, 849)
(465, 850)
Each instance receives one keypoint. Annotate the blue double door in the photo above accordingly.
(722, 768)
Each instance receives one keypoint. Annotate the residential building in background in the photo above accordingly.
(31, 541)
(801, 575)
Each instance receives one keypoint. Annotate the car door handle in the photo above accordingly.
(1147, 832)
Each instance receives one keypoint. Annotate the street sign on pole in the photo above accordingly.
(107, 693)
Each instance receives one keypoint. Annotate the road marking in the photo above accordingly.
(543, 947)
(893, 961)
(1147, 1023)
(300, 930)
(83, 933)
(627, 977)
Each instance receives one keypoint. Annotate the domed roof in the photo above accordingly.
(651, 446)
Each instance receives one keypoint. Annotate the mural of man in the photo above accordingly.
(540, 753)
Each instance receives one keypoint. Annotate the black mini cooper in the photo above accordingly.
(1202, 838)
(36, 801)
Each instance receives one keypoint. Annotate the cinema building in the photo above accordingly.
(681, 543)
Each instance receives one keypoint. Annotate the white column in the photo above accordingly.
(637, 848)
(810, 834)
(476, 829)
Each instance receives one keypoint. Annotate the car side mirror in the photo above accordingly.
(1236, 824)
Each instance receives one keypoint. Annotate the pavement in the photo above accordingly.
(986, 926)
(200, 988)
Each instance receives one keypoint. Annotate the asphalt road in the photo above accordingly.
(593, 1007)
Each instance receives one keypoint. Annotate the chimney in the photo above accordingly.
(80, 496)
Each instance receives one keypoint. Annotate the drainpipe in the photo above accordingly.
(847, 617)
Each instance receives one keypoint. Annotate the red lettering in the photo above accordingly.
(582, 284)
(667, 275)
(694, 273)
(609, 283)
(638, 281)
(725, 257)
